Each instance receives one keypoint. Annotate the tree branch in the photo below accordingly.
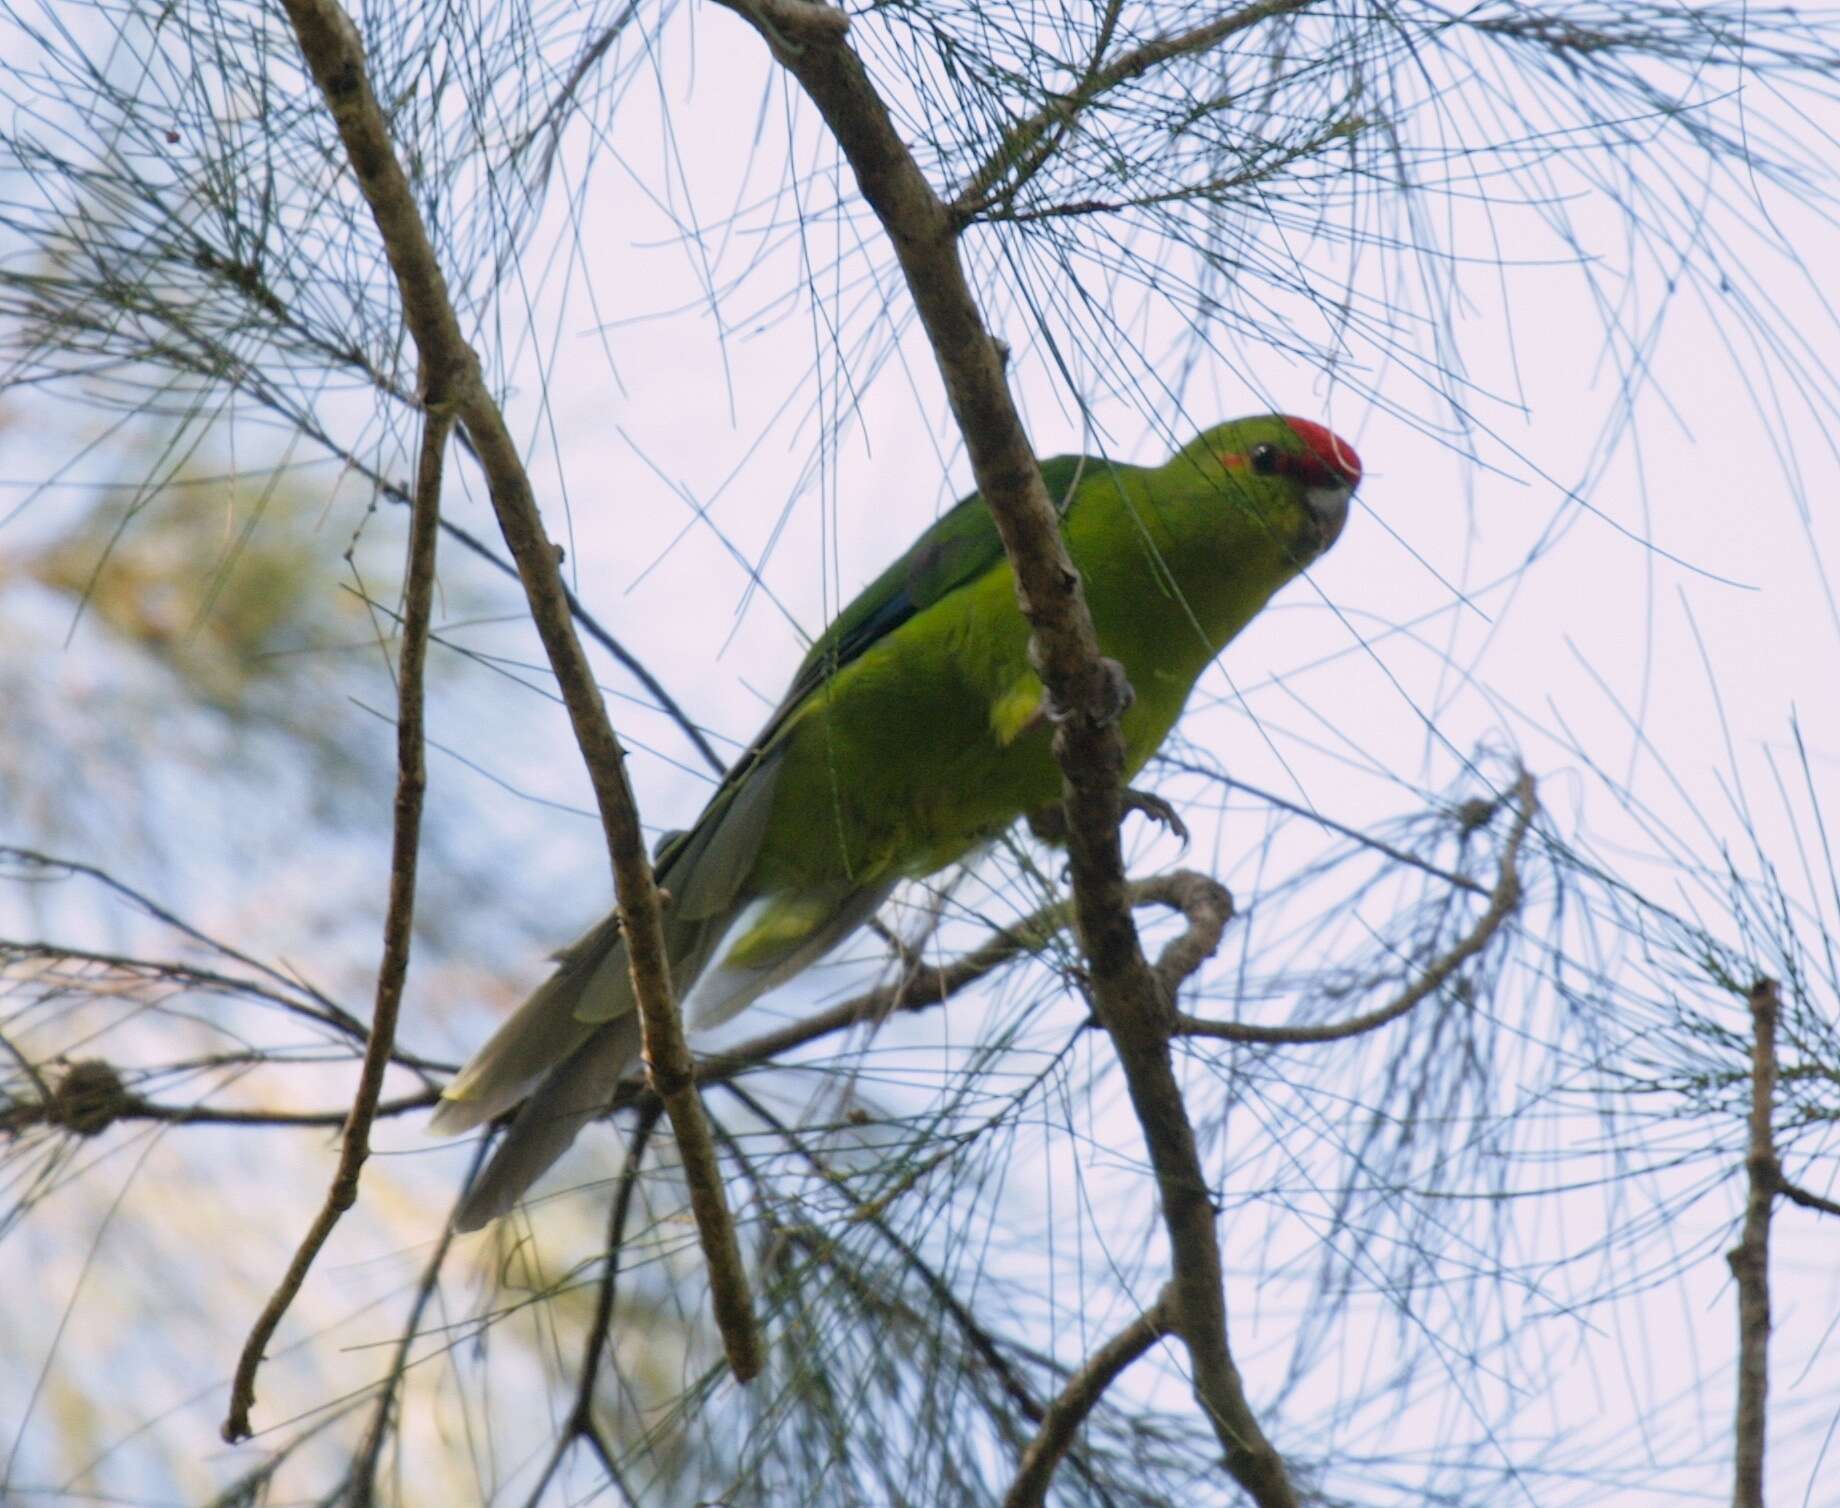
(66, 1107)
(399, 920)
(1127, 996)
(1504, 901)
(1201, 899)
(1806, 1198)
(330, 46)
(921, 987)
(1135, 1008)
(1080, 1397)
(1750, 1258)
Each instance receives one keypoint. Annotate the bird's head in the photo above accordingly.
(1295, 475)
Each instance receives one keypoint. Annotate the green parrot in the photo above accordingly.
(914, 732)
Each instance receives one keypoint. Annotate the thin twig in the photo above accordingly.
(336, 1014)
(596, 1346)
(248, 280)
(399, 919)
(581, 1423)
(1208, 907)
(1504, 901)
(1750, 1258)
(1353, 834)
(330, 46)
(1023, 146)
(31, 1071)
(1806, 1198)
(982, 1343)
(158, 970)
(564, 100)
(1061, 1424)
(636, 667)
(1212, 191)
(362, 1483)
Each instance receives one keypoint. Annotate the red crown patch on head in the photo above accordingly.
(1341, 466)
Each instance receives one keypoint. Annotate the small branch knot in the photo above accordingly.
(89, 1098)
(1475, 813)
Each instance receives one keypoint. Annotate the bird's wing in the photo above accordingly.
(960, 547)
(703, 867)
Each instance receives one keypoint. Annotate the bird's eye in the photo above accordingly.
(1264, 459)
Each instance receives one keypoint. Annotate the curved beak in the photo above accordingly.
(1328, 510)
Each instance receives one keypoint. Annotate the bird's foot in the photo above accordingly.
(1049, 823)
(1115, 698)
(1157, 810)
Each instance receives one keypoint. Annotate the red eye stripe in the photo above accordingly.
(1303, 468)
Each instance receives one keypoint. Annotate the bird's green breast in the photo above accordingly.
(899, 763)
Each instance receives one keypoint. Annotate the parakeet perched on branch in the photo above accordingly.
(914, 731)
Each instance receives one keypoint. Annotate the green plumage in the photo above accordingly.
(913, 732)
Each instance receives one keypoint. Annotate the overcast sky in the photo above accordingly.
(1616, 557)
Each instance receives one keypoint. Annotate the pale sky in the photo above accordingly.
(1668, 623)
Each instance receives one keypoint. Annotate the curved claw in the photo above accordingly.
(1156, 809)
(1049, 823)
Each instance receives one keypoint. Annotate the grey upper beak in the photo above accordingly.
(1328, 507)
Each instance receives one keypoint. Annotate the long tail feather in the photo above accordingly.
(751, 966)
(536, 1037)
(569, 1096)
(564, 1051)
(566, 1048)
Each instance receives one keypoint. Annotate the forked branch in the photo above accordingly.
(1504, 901)
(1061, 1423)
(454, 386)
(399, 921)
